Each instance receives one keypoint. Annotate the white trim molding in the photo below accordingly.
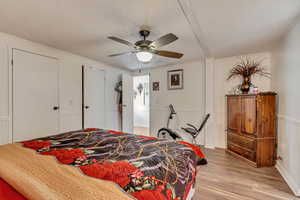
(288, 178)
(4, 118)
(290, 119)
(166, 109)
(210, 138)
(288, 129)
(188, 12)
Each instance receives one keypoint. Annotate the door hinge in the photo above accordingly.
(12, 62)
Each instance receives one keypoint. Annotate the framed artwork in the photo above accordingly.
(175, 79)
(155, 86)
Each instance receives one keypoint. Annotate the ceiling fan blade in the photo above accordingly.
(120, 54)
(121, 41)
(169, 54)
(164, 40)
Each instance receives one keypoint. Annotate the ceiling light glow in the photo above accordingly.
(144, 56)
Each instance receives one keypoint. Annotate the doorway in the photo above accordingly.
(141, 105)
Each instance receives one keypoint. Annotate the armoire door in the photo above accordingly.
(35, 95)
(248, 106)
(234, 113)
(94, 98)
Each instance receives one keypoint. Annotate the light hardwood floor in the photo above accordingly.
(226, 177)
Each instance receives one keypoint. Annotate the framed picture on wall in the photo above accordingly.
(175, 79)
(155, 86)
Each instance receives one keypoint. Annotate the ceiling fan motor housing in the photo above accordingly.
(143, 44)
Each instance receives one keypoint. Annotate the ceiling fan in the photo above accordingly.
(144, 49)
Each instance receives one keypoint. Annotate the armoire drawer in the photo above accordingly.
(242, 141)
(250, 155)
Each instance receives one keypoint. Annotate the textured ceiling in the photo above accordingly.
(228, 27)
(233, 27)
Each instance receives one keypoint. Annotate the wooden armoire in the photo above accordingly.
(251, 128)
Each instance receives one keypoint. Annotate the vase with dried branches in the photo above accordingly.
(247, 68)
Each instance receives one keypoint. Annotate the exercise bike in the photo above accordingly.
(168, 133)
(191, 130)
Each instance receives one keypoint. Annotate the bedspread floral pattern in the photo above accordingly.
(147, 168)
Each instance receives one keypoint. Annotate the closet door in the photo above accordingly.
(94, 98)
(35, 95)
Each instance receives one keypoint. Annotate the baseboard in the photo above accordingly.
(288, 178)
(210, 146)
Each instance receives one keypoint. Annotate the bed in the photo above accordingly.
(98, 164)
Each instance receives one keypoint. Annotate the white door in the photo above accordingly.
(94, 98)
(35, 95)
(127, 98)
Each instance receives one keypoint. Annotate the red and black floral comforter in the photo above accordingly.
(145, 167)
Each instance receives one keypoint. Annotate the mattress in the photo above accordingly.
(143, 168)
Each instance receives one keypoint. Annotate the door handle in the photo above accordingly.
(86, 107)
(56, 108)
(124, 105)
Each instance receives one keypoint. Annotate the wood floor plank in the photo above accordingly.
(227, 177)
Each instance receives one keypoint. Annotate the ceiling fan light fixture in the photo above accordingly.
(144, 56)
(145, 49)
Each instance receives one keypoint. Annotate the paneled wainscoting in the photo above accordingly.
(228, 178)
(289, 150)
(4, 130)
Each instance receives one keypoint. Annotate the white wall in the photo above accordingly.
(286, 77)
(221, 87)
(284, 64)
(188, 102)
(70, 85)
(141, 109)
